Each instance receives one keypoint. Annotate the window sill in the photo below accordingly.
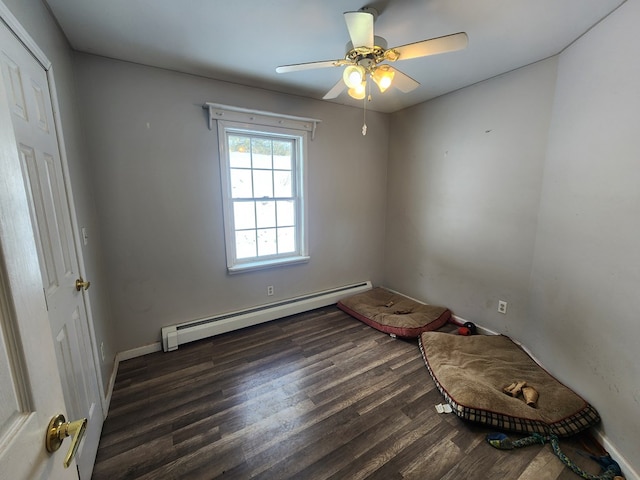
(261, 265)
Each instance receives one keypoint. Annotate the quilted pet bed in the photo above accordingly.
(471, 373)
(394, 313)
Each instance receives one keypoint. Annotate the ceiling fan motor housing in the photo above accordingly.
(367, 57)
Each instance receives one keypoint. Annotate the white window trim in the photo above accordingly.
(218, 111)
(259, 122)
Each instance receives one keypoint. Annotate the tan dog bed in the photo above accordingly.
(471, 373)
(394, 313)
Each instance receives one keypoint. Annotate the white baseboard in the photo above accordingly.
(627, 470)
(482, 330)
(109, 391)
(138, 351)
(121, 357)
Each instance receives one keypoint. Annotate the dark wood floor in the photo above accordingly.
(314, 396)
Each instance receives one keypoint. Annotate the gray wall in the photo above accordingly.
(33, 16)
(465, 172)
(526, 188)
(156, 177)
(585, 283)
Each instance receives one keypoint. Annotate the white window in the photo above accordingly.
(263, 186)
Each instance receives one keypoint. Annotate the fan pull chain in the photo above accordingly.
(364, 118)
(364, 111)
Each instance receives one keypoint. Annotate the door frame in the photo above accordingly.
(14, 25)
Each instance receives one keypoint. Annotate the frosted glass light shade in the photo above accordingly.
(383, 76)
(359, 92)
(353, 76)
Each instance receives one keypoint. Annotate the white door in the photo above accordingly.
(30, 391)
(30, 104)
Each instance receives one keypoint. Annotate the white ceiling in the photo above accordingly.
(243, 41)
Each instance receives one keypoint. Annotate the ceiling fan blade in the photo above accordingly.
(360, 26)
(403, 82)
(309, 66)
(336, 90)
(433, 46)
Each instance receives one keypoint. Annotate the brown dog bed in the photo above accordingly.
(471, 373)
(393, 313)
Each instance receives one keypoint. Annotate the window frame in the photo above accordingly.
(300, 140)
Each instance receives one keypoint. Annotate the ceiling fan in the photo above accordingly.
(365, 54)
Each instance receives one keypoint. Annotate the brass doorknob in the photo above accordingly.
(82, 285)
(59, 429)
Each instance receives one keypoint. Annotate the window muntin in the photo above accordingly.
(263, 186)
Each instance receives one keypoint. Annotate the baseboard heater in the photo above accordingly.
(176, 335)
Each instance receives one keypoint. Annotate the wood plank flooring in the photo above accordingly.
(318, 395)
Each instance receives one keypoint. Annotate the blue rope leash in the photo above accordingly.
(610, 467)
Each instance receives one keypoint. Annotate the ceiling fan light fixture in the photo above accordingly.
(353, 76)
(383, 76)
(359, 91)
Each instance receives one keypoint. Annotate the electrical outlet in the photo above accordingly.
(270, 290)
(502, 306)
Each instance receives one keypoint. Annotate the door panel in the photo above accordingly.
(45, 249)
(30, 391)
(44, 181)
(15, 93)
(12, 399)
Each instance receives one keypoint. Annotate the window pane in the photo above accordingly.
(266, 214)
(261, 152)
(263, 194)
(282, 184)
(244, 215)
(239, 151)
(282, 151)
(246, 244)
(263, 183)
(286, 213)
(267, 242)
(241, 183)
(286, 240)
